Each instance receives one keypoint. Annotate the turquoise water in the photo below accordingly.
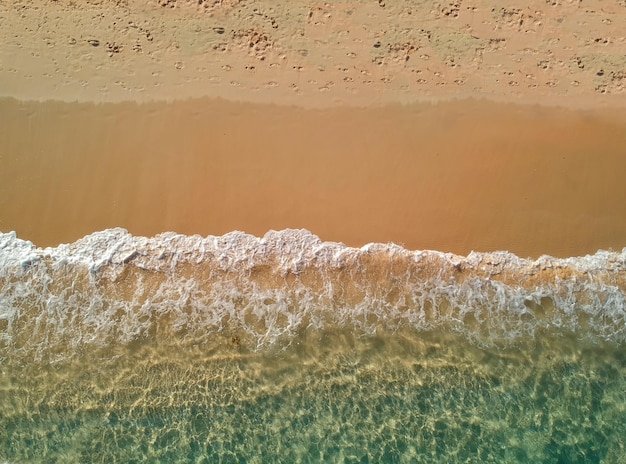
(333, 398)
(288, 349)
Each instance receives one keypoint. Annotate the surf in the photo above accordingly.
(261, 292)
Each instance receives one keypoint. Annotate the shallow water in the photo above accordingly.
(289, 349)
(331, 397)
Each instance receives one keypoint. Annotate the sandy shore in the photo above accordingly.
(453, 176)
(206, 117)
(314, 53)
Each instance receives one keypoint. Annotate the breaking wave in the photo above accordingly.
(257, 293)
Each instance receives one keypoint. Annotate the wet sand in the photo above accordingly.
(456, 176)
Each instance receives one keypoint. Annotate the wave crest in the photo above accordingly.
(113, 288)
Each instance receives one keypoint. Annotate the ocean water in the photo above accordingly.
(289, 349)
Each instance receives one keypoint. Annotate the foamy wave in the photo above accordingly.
(111, 288)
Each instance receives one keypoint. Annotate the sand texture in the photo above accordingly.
(363, 121)
(315, 53)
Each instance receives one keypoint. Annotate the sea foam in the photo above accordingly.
(113, 288)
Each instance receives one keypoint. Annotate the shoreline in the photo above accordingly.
(529, 180)
(583, 105)
(454, 127)
(458, 163)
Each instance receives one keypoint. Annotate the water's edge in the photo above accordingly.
(113, 288)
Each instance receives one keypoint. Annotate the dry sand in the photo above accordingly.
(314, 53)
(312, 114)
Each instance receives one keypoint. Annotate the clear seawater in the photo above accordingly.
(286, 349)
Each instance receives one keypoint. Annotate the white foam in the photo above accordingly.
(111, 287)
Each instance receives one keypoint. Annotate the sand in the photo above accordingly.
(454, 126)
(314, 53)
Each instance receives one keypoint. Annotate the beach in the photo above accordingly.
(334, 132)
(455, 176)
(307, 231)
